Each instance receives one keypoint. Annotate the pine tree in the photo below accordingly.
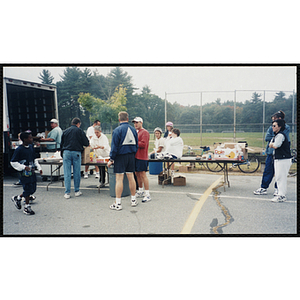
(46, 77)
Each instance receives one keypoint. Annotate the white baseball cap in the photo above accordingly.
(137, 119)
(54, 121)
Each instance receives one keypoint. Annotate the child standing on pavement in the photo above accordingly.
(25, 162)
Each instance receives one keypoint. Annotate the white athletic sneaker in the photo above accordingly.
(116, 206)
(139, 194)
(279, 199)
(77, 194)
(31, 198)
(67, 196)
(97, 175)
(260, 191)
(86, 175)
(146, 198)
(275, 193)
(134, 202)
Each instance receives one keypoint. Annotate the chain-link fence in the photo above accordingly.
(236, 129)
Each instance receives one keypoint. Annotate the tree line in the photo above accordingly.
(90, 95)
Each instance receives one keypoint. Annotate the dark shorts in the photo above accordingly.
(29, 189)
(141, 165)
(124, 163)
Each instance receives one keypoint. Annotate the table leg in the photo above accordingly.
(226, 179)
(50, 176)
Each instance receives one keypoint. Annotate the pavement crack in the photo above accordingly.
(215, 227)
(139, 224)
(193, 197)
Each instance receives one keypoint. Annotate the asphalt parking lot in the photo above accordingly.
(233, 210)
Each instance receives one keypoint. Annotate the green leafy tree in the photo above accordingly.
(252, 110)
(106, 110)
(46, 77)
(73, 82)
(114, 79)
(151, 108)
(256, 98)
(279, 97)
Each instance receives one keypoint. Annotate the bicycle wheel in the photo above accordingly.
(214, 167)
(293, 168)
(251, 165)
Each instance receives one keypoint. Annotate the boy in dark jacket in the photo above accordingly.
(25, 162)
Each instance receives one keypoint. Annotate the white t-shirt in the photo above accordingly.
(159, 143)
(174, 146)
(101, 141)
(278, 140)
(90, 132)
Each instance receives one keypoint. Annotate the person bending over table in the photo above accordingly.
(174, 146)
(99, 143)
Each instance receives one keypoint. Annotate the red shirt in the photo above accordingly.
(143, 142)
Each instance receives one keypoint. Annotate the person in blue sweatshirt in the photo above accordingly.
(124, 146)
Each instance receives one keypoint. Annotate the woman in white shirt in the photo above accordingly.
(159, 143)
(282, 158)
(100, 145)
(174, 145)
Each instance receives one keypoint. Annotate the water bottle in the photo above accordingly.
(264, 152)
(28, 173)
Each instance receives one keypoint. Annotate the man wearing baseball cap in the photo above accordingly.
(53, 136)
(141, 159)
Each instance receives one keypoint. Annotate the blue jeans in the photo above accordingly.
(268, 172)
(72, 158)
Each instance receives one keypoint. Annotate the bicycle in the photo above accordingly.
(250, 165)
(293, 169)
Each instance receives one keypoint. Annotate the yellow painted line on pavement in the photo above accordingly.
(187, 228)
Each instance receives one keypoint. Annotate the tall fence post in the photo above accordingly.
(165, 107)
(234, 118)
(200, 119)
(293, 121)
(264, 118)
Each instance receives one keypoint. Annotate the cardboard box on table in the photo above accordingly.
(231, 151)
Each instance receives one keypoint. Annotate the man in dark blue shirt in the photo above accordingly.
(73, 141)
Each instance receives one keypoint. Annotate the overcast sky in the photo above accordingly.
(186, 80)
